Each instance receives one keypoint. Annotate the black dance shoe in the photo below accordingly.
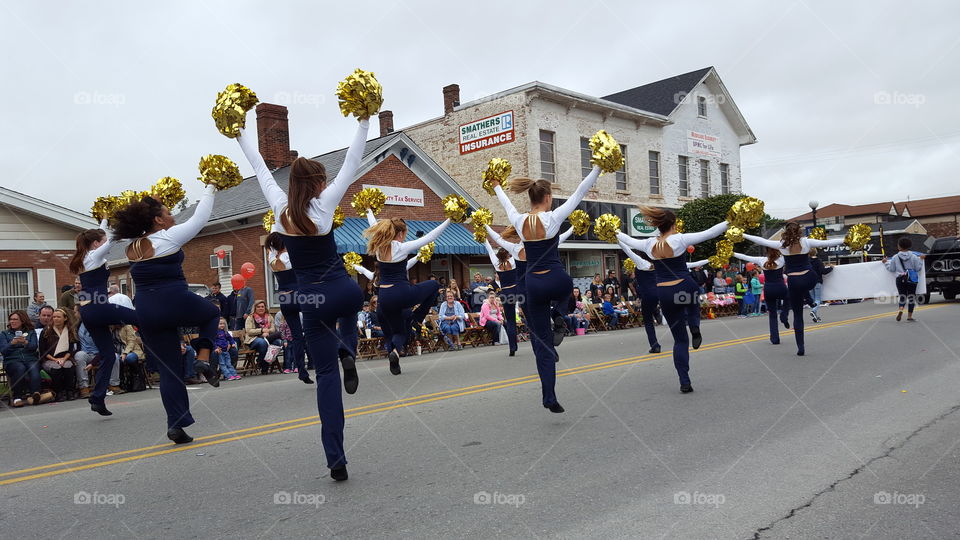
(339, 474)
(306, 379)
(350, 378)
(800, 351)
(513, 352)
(686, 388)
(697, 338)
(559, 330)
(178, 435)
(554, 408)
(655, 349)
(100, 409)
(213, 378)
(786, 323)
(394, 366)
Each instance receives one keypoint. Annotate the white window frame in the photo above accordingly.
(724, 178)
(704, 178)
(551, 176)
(29, 295)
(653, 157)
(701, 107)
(622, 172)
(683, 176)
(585, 155)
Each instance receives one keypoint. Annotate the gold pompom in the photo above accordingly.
(478, 219)
(426, 252)
(606, 152)
(724, 252)
(629, 266)
(455, 208)
(360, 94)
(230, 111)
(268, 220)
(746, 213)
(338, 217)
(580, 220)
(104, 207)
(496, 173)
(128, 197)
(372, 198)
(858, 236)
(219, 171)
(681, 227)
(734, 234)
(168, 190)
(349, 259)
(818, 233)
(606, 228)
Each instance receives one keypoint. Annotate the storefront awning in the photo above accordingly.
(455, 240)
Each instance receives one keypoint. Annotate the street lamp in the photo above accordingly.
(813, 207)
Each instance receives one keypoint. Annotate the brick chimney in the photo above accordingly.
(386, 122)
(451, 97)
(273, 134)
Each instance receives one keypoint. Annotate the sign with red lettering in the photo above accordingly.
(703, 144)
(487, 132)
(400, 196)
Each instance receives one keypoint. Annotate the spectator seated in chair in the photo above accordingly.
(260, 334)
(452, 319)
(613, 312)
(491, 316)
(18, 345)
(58, 345)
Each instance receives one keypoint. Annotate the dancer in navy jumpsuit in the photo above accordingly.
(163, 301)
(505, 265)
(325, 292)
(279, 261)
(774, 289)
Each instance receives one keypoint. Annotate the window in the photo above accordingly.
(654, 159)
(684, 176)
(548, 167)
(585, 155)
(701, 106)
(14, 291)
(622, 173)
(704, 178)
(724, 179)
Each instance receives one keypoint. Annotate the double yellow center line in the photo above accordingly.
(103, 460)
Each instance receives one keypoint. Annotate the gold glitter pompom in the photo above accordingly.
(478, 219)
(746, 213)
(219, 171)
(629, 265)
(455, 208)
(360, 94)
(338, 217)
(606, 228)
(724, 252)
(580, 220)
(818, 233)
(496, 173)
(168, 190)
(230, 111)
(681, 227)
(349, 259)
(104, 207)
(606, 152)
(128, 197)
(734, 234)
(372, 198)
(268, 220)
(426, 252)
(858, 236)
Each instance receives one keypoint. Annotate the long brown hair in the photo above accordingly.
(772, 256)
(26, 325)
(504, 257)
(537, 190)
(84, 241)
(660, 218)
(307, 180)
(510, 234)
(380, 235)
(67, 325)
(791, 234)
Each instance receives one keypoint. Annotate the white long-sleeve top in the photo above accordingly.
(642, 264)
(759, 261)
(805, 243)
(551, 219)
(167, 241)
(493, 257)
(565, 235)
(411, 262)
(400, 250)
(513, 249)
(96, 258)
(695, 264)
(284, 258)
(321, 208)
(677, 241)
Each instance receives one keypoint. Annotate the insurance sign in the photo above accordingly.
(487, 132)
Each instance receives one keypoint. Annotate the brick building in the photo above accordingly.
(37, 239)
(939, 216)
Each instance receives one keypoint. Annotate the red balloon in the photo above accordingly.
(247, 270)
(750, 266)
(221, 254)
(689, 249)
(729, 281)
(726, 267)
(237, 281)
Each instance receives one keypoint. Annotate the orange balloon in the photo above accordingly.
(247, 270)
(237, 281)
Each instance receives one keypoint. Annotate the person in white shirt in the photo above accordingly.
(118, 298)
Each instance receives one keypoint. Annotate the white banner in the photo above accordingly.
(863, 280)
(400, 196)
(702, 144)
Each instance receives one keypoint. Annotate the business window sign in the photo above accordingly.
(702, 144)
(400, 196)
(487, 132)
(638, 226)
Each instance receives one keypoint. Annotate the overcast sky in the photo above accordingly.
(851, 102)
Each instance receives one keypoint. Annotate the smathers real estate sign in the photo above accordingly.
(487, 132)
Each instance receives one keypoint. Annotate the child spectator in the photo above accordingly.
(223, 343)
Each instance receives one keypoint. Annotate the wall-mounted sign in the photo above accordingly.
(638, 226)
(702, 144)
(400, 196)
(487, 132)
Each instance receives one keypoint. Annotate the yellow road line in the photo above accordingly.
(297, 423)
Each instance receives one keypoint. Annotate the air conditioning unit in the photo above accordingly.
(217, 262)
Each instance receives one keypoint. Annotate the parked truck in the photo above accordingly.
(943, 268)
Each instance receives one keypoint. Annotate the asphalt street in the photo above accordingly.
(860, 438)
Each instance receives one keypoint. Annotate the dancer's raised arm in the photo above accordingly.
(747, 258)
(276, 198)
(694, 238)
(697, 264)
(642, 264)
(513, 249)
(402, 249)
(761, 241)
(172, 239)
(331, 196)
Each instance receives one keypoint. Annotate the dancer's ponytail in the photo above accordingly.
(380, 235)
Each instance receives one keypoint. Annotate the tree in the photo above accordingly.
(701, 214)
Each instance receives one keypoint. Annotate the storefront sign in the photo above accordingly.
(400, 196)
(638, 226)
(702, 144)
(487, 132)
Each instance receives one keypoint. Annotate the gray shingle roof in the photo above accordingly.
(659, 97)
